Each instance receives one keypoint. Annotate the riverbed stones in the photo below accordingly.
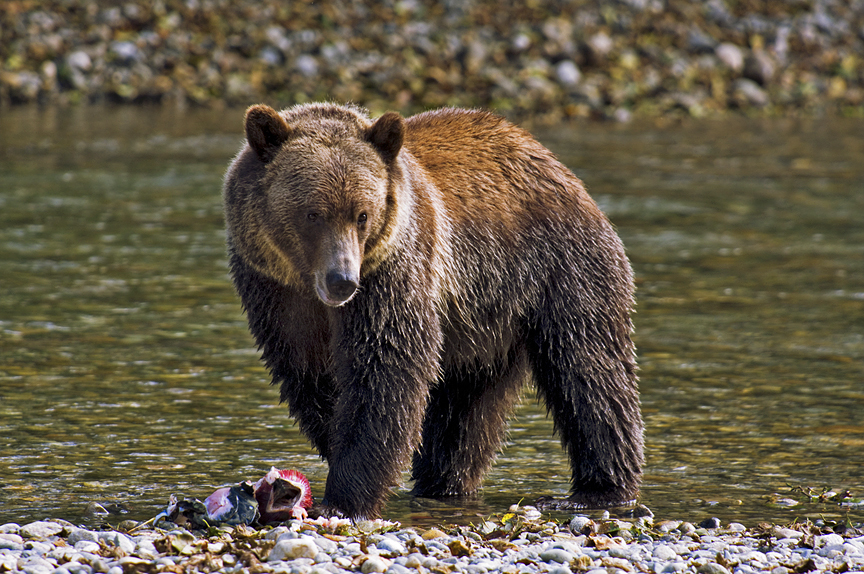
(541, 547)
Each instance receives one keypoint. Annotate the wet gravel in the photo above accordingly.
(545, 59)
(521, 541)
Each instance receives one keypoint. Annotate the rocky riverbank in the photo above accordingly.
(546, 59)
(521, 541)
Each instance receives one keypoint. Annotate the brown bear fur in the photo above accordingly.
(405, 277)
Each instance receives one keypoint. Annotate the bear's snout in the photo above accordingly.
(340, 286)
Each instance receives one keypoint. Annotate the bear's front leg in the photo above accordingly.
(386, 352)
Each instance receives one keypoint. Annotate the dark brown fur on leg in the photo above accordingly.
(277, 317)
(362, 471)
(585, 368)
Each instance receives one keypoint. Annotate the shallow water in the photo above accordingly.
(127, 373)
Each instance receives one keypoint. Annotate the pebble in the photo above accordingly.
(293, 548)
(47, 547)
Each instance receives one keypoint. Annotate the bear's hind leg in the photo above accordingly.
(590, 389)
(465, 422)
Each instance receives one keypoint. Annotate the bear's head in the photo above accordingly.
(313, 195)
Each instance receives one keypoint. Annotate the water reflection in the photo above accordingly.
(126, 371)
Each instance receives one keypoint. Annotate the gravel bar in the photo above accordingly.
(521, 541)
(544, 59)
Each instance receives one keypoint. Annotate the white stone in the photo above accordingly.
(119, 540)
(389, 545)
(577, 523)
(79, 60)
(87, 546)
(780, 532)
(556, 555)
(568, 73)
(287, 549)
(40, 530)
(373, 564)
(79, 534)
(146, 549)
(306, 65)
(827, 540)
(663, 552)
(731, 55)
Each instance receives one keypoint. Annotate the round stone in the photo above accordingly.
(373, 564)
(40, 530)
(663, 552)
(293, 548)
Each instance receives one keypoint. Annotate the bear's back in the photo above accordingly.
(485, 167)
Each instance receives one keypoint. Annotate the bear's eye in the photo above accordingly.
(313, 217)
(361, 219)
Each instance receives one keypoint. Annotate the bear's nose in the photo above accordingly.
(339, 285)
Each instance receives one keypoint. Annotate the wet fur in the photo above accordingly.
(485, 266)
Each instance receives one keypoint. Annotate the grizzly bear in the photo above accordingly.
(405, 277)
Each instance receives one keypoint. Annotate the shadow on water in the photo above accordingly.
(127, 373)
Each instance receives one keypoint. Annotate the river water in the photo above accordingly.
(127, 372)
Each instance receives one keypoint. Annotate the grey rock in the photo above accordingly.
(556, 555)
(36, 565)
(732, 57)
(781, 532)
(79, 534)
(99, 565)
(827, 540)
(712, 568)
(373, 564)
(119, 540)
(748, 92)
(307, 65)
(146, 549)
(327, 545)
(125, 52)
(567, 73)
(11, 541)
(391, 546)
(78, 568)
(271, 56)
(759, 68)
(699, 42)
(287, 549)
(710, 522)
(87, 546)
(40, 530)
(672, 567)
(79, 60)
(578, 523)
(38, 547)
(664, 552)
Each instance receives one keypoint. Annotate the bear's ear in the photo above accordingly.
(387, 134)
(266, 131)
